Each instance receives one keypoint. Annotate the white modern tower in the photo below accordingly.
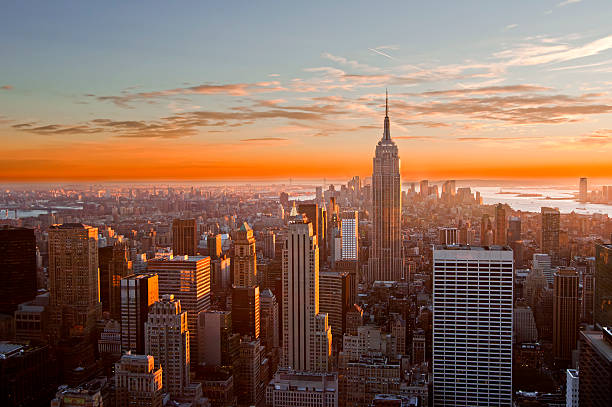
(472, 326)
(306, 333)
(386, 260)
(350, 235)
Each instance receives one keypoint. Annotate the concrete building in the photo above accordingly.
(270, 322)
(525, 329)
(300, 389)
(472, 326)
(386, 260)
(138, 293)
(307, 336)
(334, 299)
(138, 382)
(350, 235)
(216, 338)
(250, 373)
(245, 257)
(94, 393)
(188, 279)
(73, 280)
(501, 225)
(114, 265)
(583, 190)
(246, 311)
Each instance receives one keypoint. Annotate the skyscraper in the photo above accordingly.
(17, 267)
(500, 225)
(138, 293)
(565, 313)
(582, 194)
(216, 338)
(184, 237)
(246, 311)
(306, 333)
(269, 320)
(335, 299)
(550, 233)
(472, 326)
(486, 233)
(350, 235)
(167, 340)
(595, 368)
(386, 260)
(73, 279)
(603, 285)
(188, 279)
(114, 265)
(514, 229)
(245, 257)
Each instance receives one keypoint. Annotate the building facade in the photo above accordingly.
(138, 293)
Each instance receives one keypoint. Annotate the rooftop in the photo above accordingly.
(474, 248)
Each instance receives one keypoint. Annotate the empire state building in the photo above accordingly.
(386, 260)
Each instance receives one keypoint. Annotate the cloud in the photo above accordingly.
(568, 2)
(487, 90)
(257, 139)
(510, 27)
(6, 87)
(597, 137)
(379, 52)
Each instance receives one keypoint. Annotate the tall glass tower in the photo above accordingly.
(386, 260)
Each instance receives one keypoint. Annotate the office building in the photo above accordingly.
(386, 260)
(565, 313)
(350, 235)
(138, 382)
(167, 340)
(188, 279)
(216, 338)
(73, 279)
(514, 229)
(571, 388)
(335, 300)
(525, 329)
(306, 334)
(17, 267)
(543, 263)
(269, 244)
(486, 231)
(500, 225)
(114, 265)
(269, 318)
(184, 237)
(550, 233)
(472, 326)
(583, 190)
(424, 188)
(94, 393)
(595, 368)
(214, 245)
(245, 258)
(603, 285)
(246, 311)
(448, 236)
(138, 293)
(290, 389)
(250, 373)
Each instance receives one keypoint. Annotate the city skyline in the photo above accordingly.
(173, 99)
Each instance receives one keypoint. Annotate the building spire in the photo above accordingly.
(387, 132)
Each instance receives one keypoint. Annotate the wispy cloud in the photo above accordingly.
(379, 52)
(6, 87)
(568, 2)
(258, 139)
(510, 27)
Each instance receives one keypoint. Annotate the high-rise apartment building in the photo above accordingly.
(167, 340)
(17, 267)
(602, 298)
(386, 260)
(138, 382)
(550, 233)
(472, 326)
(138, 293)
(114, 265)
(73, 279)
(188, 279)
(583, 192)
(306, 334)
(565, 313)
(184, 237)
(500, 225)
(245, 257)
(246, 311)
